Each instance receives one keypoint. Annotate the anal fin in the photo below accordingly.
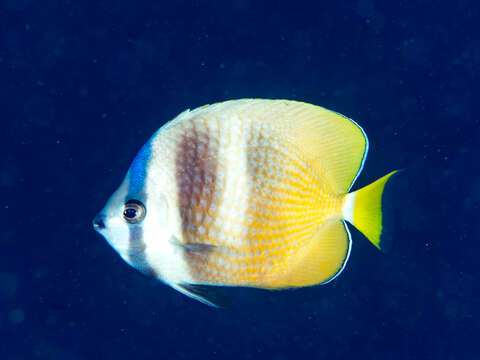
(322, 260)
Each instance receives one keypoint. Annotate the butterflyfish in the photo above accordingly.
(250, 193)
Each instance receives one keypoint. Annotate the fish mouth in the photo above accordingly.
(98, 222)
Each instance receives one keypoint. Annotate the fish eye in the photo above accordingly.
(134, 211)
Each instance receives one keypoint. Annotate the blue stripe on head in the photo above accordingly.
(136, 189)
(138, 170)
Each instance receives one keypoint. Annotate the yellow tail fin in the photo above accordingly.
(363, 209)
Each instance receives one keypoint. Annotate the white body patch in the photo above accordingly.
(162, 223)
(232, 157)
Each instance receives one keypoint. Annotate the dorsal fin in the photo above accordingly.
(336, 143)
(332, 142)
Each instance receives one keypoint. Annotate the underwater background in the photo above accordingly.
(83, 84)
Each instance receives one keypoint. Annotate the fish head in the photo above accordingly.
(135, 220)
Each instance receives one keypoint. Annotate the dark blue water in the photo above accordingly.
(83, 84)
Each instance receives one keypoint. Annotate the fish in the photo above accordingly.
(245, 193)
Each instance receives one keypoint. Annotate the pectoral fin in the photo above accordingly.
(198, 248)
(209, 295)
